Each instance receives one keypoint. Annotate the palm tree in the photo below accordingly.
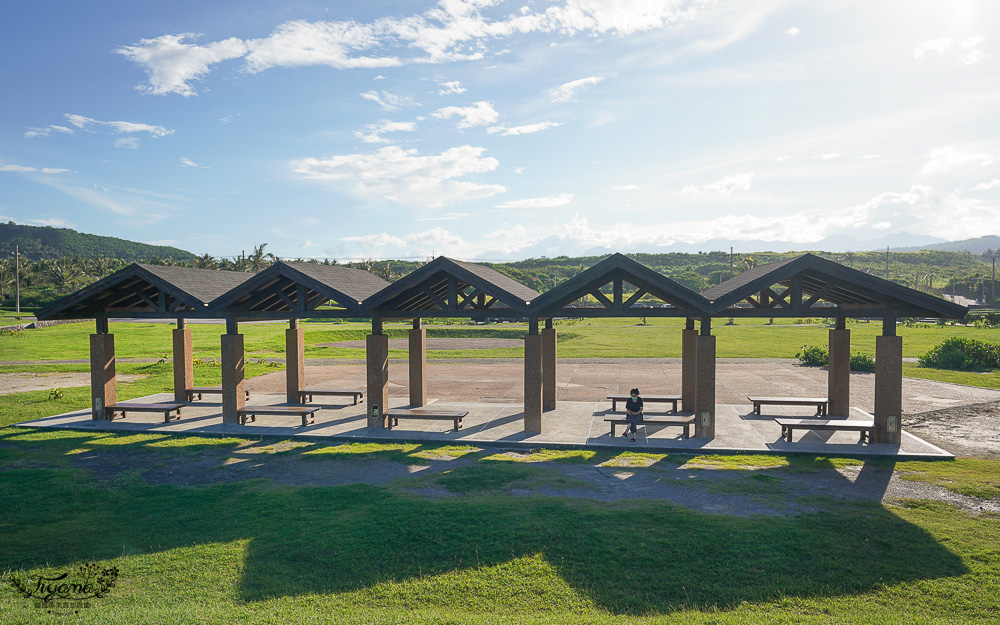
(206, 261)
(258, 260)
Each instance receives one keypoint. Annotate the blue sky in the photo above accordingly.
(500, 130)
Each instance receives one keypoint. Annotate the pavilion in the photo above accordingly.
(803, 286)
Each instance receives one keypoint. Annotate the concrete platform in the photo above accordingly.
(573, 423)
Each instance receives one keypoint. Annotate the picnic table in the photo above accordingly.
(209, 390)
(865, 426)
(306, 395)
(821, 403)
(112, 410)
(308, 413)
(456, 416)
(646, 399)
(685, 422)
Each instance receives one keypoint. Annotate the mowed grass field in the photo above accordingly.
(464, 547)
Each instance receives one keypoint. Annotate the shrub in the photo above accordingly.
(963, 355)
(820, 357)
(862, 362)
(813, 356)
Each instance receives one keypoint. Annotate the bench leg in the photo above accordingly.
(687, 431)
(756, 408)
(355, 400)
(789, 439)
(612, 430)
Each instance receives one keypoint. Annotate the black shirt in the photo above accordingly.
(635, 405)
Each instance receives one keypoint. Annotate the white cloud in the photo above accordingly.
(186, 162)
(446, 217)
(828, 156)
(453, 87)
(951, 157)
(986, 186)
(967, 51)
(388, 101)
(171, 64)
(452, 30)
(727, 185)
(435, 240)
(129, 143)
(793, 31)
(782, 158)
(540, 202)
(522, 130)
(23, 169)
(372, 133)
(85, 123)
(55, 222)
(868, 157)
(479, 114)
(625, 187)
(47, 131)
(567, 91)
(407, 177)
(516, 232)
(519, 170)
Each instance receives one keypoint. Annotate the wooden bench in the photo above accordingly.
(646, 399)
(821, 403)
(307, 413)
(208, 390)
(307, 394)
(685, 422)
(867, 428)
(456, 416)
(112, 410)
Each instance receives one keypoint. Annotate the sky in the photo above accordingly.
(491, 130)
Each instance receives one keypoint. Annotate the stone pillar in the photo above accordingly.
(183, 361)
(689, 367)
(888, 384)
(377, 348)
(233, 357)
(103, 385)
(549, 366)
(533, 380)
(418, 364)
(295, 361)
(705, 402)
(838, 375)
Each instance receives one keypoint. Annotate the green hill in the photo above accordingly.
(47, 242)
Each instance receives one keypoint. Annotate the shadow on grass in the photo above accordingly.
(630, 557)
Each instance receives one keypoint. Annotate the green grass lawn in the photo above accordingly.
(254, 552)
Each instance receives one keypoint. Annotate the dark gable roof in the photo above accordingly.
(121, 293)
(846, 286)
(409, 292)
(634, 273)
(320, 283)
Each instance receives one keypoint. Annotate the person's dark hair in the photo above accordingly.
(635, 390)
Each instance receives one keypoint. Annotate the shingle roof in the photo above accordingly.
(409, 293)
(123, 292)
(744, 278)
(276, 289)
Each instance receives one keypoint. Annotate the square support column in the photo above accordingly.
(377, 348)
(295, 361)
(418, 364)
(888, 388)
(705, 404)
(548, 366)
(103, 383)
(183, 361)
(533, 382)
(838, 375)
(689, 367)
(233, 376)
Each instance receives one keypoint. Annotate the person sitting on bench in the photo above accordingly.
(633, 413)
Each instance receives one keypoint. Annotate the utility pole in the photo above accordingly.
(993, 280)
(17, 278)
(730, 262)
